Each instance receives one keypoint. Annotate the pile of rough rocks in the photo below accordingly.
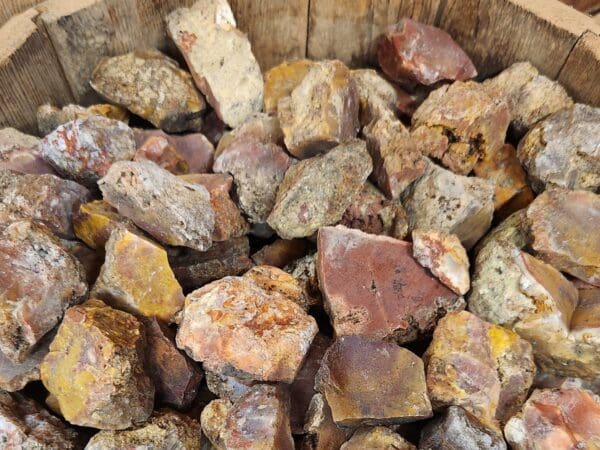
(305, 258)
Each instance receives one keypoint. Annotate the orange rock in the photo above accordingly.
(160, 151)
(376, 438)
(277, 282)
(281, 80)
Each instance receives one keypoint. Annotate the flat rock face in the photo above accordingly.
(171, 210)
(20, 152)
(219, 57)
(484, 368)
(321, 112)
(563, 150)
(281, 80)
(152, 86)
(373, 287)
(556, 419)
(316, 192)
(321, 432)
(50, 117)
(159, 150)
(461, 123)
(39, 280)
(377, 438)
(95, 368)
(411, 52)
(43, 198)
(377, 96)
(372, 383)
(278, 283)
(84, 149)
(14, 376)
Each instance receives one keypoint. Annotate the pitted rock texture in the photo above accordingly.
(20, 152)
(281, 80)
(50, 117)
(159, 150)
(377, 438)
(377, 96)
(320, 431)
(14, 376)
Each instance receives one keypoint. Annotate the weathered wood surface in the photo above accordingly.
(10, 8)
(581, 73)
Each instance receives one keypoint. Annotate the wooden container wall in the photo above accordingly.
(47, 53)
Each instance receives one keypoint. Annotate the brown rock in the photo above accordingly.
(213, 128)
(281, 252)
(305, 271)
(158, 150)
(278, 283)
(90, 259)
(20, 152)
(373, 287)
(262, 127)
(321, 431)
(281, 80)
(50, 117)
(377, 96)
(377, 438)
(14, 376)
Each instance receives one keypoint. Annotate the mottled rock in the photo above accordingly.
(281, 80)
(227, 387)
(171, 210)
(158, 150)
(50, 117)
(219, 57)
(95, 368)
(281, 252)
(276, 282)
(20, 152)
(305, 271)
(94, 221)
(14, 376)
(321, 112)
(321, 432)
(511, 230)
(39, 280)
(377, 438)
(316, 192)
(262, 127)
(411, 52)
(377, 96)
(152, 86)
(373, 287)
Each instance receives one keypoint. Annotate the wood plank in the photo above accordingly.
(11, 8)
(581, 73)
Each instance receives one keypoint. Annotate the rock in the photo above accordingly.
(171, 210)
(20, 152)
(14, 376)
(213, 128)
(235, 324)
(556, 419)
(444, 201)
(50, 117)
(152, 86)
(261, 127)
(39, 280)
(316, 192)
(377, 438)
(158, 150)
(95, 368)
(563, 150)
(372, 383)
(90, 259)
(281, 80)
(511, 230)
(545, 380)
(165, 430)
(305, 271)
(26, 425)
(373, 287)
(377, 96)
(321, 112)
(258, 420)
(277, 283)
(459, 124)
(444, 255)
(457, 429)
(281, 252)
(84, 149)
(411, 52)
(42, 198)
(228, 387)
(484, 368)
(219, 57)
(321, 431)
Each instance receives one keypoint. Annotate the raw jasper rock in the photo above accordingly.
(281, 80)
(264, 128)
(136, 278)
(556, 419)
(219, 57)
(50, 117)
(39, 280)
(484, 368)
(373, 287)
(227, 387)
(276, 282)
(158, 150)
(14, 376)
(396, 160)
(151, 85)
(84, 149)
(372, 383)
(411, 52)
(305, 271)
(171, 210)
(444, 201)
(26, 425)
(444, 255)
(281, 252)
(95, 368)
(377, 438)
(321, 432)
(377, 96)
(457, 429)
(90, 259)
(321, 112)
(511, 230)
(43, 198)
(564, 150)
(316, 192)
(235, 324)
(20, 152)
(530, 96)
(258, 420)
(459, 124)
(165, 430)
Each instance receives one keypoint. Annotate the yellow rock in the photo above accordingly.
(95, 220)
(281, 80)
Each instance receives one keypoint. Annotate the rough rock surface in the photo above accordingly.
(305, 271)
(159, 150)
(171, 210)
(377, 96)
(281, 252)
(151, 85)
(95, 368)
(14, 376)
(316, 192)
(373, 287)
(227, 387)
(278, 283)
(20, 152)
(377, 438)
(321, 432)
(219, 57)
(50, 117)
(281, 80)
(321, 112)
(260, 126)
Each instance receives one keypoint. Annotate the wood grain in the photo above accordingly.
(581, 73)
(9, 8)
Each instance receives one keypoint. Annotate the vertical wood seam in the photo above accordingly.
(308, 6)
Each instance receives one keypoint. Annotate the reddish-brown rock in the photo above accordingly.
(377, 438)
(260, 126)
(281, 252)
(158, 150)
(321, 432)
(281, 80)
(20, 152)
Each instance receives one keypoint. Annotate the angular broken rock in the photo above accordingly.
(442, 200)
(321, 432)
(373, 287)
(321, 112)
(39, 280)
(264, 128)
(369, 382)
(95, 368)
(484, 368)
(281, 252)
(158, 150)
(227, 387)
(20, 152)
(563, 150)
(219, 57)
(171, 210)
(411, 52)
(50, 117)
(459, 124)
(316, 192)
(377, 96)
(14, 376)
(443, 254)
(277, 283)
(376, 438)
(281, 80)
(84, 149)
(151, 85)
(305, 271)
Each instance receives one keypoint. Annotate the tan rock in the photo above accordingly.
(20, 152)
(50, 117)
(281, 80)
(278, 283)
(377, 96)
(321, 432)
(376, 438)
